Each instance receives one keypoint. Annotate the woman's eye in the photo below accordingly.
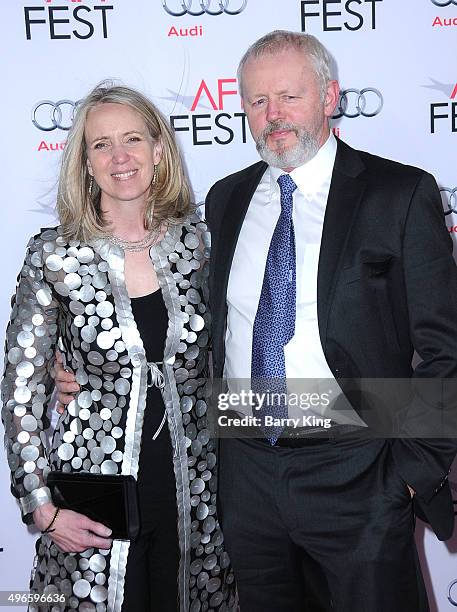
(100, 145)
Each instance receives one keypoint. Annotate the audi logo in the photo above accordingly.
(449, 202)
(48, 115)
(367, 102)
(184, 7)
(450, 598)
(442, 3)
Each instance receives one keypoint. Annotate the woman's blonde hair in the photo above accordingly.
(79, 211)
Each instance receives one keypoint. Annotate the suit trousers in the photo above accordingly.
(340, 502)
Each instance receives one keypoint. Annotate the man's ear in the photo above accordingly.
(331, 98)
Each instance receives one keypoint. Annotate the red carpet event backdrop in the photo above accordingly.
(395, 63)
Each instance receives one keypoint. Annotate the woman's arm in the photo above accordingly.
(27, 384)
(31, 338)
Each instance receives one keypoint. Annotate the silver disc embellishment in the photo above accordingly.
(99, 594)
(31, 482)
(191, 241)
(197, 322)
(97, 563)
(73, 281)
(62, 289)
(122, 386)
(183, 266)
(81, 588)
(87, 293)
(105, 340)
(108, 445)
(84, 399)
(105, 309)
(70, 265)
(25, 339)
(85, 255)
(25, 369)
(108, 467)
(54, 262)
(65, 451)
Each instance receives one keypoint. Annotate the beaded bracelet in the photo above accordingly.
(49, 528)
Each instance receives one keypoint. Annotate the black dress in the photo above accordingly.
(152, 566)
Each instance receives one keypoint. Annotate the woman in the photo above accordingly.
(119, 286)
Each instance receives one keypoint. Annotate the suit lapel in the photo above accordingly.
(345, 195)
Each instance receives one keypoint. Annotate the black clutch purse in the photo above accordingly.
(106, 498)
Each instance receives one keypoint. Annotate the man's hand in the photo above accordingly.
(66, 384)
(74, 532)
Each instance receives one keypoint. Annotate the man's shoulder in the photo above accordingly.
(383, 166)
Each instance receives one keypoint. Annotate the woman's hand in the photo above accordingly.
(66, 384)
(73, 532)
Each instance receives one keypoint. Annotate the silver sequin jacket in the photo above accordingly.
(73, 295)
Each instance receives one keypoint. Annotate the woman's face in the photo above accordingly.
(121, 154)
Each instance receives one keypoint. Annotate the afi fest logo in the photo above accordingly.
(443, 115)
(217, 124)
(196, 8)
(336, 15)
(74, 20)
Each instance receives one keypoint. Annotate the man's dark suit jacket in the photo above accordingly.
(387, 285)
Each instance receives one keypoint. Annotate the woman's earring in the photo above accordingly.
(154, 176)
(91, 184)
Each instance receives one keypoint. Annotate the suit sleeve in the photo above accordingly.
(430, 276)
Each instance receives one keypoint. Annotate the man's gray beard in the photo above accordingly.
(293, 157)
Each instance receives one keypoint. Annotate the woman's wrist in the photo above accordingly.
(43, 515)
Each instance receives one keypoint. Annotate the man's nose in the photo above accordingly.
(274, 110)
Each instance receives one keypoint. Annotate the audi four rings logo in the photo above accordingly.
(367, 102)
(187, 7)
(48, 115)
(442, 3)
(450, 206)
(449, 593)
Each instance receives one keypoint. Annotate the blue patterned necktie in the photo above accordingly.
(274, 323)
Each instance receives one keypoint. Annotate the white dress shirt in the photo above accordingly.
(304, 357)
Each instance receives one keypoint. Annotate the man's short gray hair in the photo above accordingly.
(277, 41)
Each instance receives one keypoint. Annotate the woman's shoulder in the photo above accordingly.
(51, 241)
(46, 235)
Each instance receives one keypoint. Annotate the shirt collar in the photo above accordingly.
(311, 176)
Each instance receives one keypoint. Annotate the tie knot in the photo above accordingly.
(286, 184)
(287, 187)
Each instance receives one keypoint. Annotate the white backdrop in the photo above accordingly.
(54, 51)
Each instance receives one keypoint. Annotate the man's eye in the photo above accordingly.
(259, 102)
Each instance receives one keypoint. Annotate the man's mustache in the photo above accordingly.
(274, 126)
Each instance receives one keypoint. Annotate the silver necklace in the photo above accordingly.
(136, 245)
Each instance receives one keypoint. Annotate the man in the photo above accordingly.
(327, 263)
(370, 277)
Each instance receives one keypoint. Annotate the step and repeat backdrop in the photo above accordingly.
(395, 60)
